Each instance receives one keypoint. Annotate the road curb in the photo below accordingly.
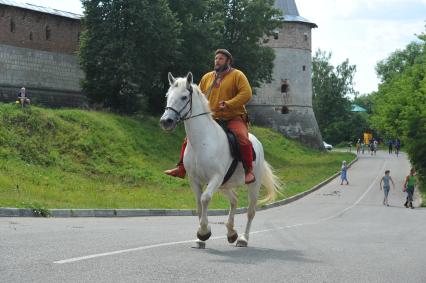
(62, 213)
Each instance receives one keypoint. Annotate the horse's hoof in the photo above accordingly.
(200, 244)
(233, 238)
(241, 243)
(204, 237)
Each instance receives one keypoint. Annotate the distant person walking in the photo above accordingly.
(390, 146)
(371, 146)
(397, 146)
(358, 146)
(344, 173)
(409, 185)
(362, 147)
(386, 186)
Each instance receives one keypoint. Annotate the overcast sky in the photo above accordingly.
(364, 31)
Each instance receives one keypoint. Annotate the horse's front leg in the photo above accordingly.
(233, 199)
(197, 190)
(204, 230)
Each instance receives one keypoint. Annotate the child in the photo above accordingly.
(343, 174)
(386, 186)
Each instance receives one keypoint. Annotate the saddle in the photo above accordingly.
(234, 148)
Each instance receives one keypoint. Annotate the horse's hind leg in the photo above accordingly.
(233, 199)
(253, 190)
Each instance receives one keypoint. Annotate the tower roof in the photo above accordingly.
(290, 12)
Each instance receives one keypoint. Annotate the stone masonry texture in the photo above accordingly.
(38, 51)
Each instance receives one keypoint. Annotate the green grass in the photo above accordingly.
(83, 159)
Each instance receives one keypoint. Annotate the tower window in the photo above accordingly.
(305, 36)
(31, 35)
(48, 33)
(276, 34)
(12, 25)
(304, 68)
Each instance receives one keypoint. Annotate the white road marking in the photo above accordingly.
(222, 237)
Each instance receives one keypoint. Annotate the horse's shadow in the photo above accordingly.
(254, 255)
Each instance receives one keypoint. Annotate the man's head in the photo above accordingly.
(387, 172)
(222, 60)
(22, 89)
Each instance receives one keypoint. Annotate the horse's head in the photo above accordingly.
(179, 101)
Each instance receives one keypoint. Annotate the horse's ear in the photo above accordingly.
(171, 78)
(189, 80)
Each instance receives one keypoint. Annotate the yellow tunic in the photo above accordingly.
(233, 88)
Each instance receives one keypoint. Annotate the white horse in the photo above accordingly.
(207, 158)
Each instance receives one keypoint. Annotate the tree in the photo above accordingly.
(400, 103)
(129, 46)
(396, 63)
(125, 48)
(331, 86)
(198, 36)
(237, 26)
(245, 23)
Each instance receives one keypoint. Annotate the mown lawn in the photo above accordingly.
(84, 159)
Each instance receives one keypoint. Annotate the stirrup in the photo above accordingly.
(249, 178)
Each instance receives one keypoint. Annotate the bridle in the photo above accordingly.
(188, 114)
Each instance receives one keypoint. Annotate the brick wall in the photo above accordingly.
(36, 30)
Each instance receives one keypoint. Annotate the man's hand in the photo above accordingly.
(222, 105)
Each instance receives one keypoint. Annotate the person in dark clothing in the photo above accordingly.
(390, 145)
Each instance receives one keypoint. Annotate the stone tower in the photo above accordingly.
(285, 104)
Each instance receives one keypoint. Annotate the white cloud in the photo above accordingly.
(364, 31)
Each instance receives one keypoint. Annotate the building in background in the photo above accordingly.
(285, 104)
(38, 50)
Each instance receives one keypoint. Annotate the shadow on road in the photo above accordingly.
(253, 255)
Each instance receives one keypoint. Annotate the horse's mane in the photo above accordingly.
(181, 82)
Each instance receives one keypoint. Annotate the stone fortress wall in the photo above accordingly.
(38, 51)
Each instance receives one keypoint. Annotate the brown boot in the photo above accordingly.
(247, 157)
(179, 171)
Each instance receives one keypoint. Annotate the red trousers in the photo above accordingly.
(239, 127)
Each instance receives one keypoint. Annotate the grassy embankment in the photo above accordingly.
(82, 159)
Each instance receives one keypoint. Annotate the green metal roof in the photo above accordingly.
(357, 108)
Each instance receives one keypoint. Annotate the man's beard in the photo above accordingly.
(220, 69)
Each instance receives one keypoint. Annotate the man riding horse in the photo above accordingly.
(227, 90)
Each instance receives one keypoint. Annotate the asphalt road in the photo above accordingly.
(336, 234)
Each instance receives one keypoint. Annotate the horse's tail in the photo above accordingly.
(271, 182)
